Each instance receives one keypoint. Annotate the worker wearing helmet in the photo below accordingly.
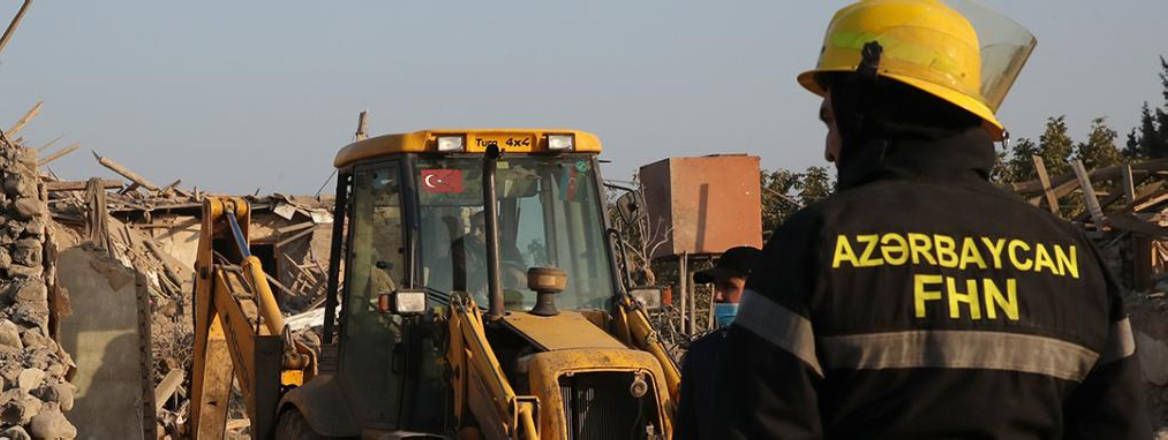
(921, 301)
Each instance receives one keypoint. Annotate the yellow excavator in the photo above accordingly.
(475, 290)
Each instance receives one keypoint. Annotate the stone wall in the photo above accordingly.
(33, 367)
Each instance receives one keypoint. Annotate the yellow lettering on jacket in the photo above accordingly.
(946, 250)
(970, 254)
(920, 294)
(957, 298)
(870, 242)
(1067, 264)
(996, 247)
(894, 248)
(921, 246)
(1042, 260)
(993, 296)
(843, 252)
(1019, 263)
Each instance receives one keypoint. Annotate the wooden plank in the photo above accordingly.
(172, 273)
(1097, 175)
(1129, 222)
(171, 186)
(125, 172)
(280, 285)
(58, 154)
(293, 238)
(49, 144)
(302, 271)
(293, 228)
(15, 22)
(167, 387)
(362, 125)
(1128, 188)
(1088, 193)
(1051, 199)
(79, 185)
(1152, 200)
(32, 113)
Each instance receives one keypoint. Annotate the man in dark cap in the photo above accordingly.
(697, 370)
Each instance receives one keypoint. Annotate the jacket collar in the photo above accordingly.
(966, 155)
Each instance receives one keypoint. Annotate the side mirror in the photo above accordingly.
(648, 297)
(402, 302)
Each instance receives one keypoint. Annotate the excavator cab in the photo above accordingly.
(478, 296)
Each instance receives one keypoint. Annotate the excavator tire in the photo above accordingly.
(292, 426)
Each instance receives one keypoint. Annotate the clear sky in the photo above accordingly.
(235, 96)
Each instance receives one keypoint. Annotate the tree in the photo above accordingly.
(1055, 146)
(1099, 149)
(1146, 141)
(1150, 139)
(815, 184)
(785, 191)
(1020, 167)
(779, 200)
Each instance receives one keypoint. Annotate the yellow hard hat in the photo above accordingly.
(955, 50)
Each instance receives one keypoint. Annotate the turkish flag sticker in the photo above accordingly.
(442, 180)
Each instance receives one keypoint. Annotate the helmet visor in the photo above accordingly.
(1004, 44)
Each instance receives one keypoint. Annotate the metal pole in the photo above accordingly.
(334, 273)
(683, 284)
(491, 222)
(693, 301)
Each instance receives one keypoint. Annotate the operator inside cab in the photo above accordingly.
(920, 300)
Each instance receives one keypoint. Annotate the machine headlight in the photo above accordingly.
(649, 297)
(449, 144)
(402, 302)
(561, 142)
(409, 301)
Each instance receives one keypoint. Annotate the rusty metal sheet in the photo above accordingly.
(708, 204)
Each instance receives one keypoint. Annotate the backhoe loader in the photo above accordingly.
(474, 291)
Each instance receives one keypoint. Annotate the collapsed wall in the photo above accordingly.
(34, 370)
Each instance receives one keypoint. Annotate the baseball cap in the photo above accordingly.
(735, 262)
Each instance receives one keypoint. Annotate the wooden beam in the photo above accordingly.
(167, 387)
(1151, 200)
(293, 238)
(15, 22)
(125, 172)
(1097, 175)
(1051, 199)
(1088, 193)
(293, 228)
(79, 185)
(1128, 188)
(19, 125)
(49, 144)
(362, 125)
(1129, 222)
(58, 154)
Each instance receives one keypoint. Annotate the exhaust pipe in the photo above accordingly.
(495, 309)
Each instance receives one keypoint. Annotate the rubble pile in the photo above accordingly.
(154, 231)
(1126, 216)
(34, 369)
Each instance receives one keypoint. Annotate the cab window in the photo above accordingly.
(375, 266)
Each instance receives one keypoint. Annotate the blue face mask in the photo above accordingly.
(724, 313)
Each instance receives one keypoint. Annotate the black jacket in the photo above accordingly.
(695, 408)
(920, 301)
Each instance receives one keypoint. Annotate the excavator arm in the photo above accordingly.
(479, 383)
(239, 331)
